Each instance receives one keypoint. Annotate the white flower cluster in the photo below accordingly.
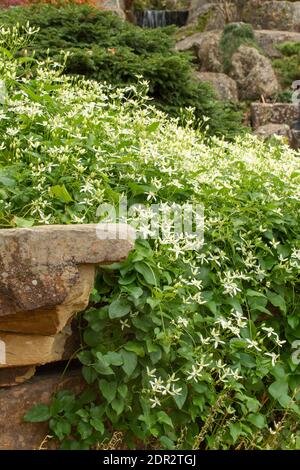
(160, 388)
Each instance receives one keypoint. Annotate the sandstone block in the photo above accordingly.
(38, 265)
(15, 434)
(46, 277)
(275, 113)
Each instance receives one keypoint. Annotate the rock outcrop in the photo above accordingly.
(274, 113)
(262, 14)
(271, 130)
(272, 14)
(253, 73)
(224, 86)
(266, 40)
(15, 434)
(47, 274)
(206, 48)
(212, 14)
(250, 66)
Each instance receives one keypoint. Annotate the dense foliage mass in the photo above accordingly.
(106, 48)
(288, 66)
(184, 345)
(233, 36)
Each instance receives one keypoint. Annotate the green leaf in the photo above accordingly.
(135, 347)
(87, 396)
(181, 398)
(98, 425)
(89, 374)
(84, 429)
(101, 366)
(97, 412)
(128, 279)
(23, 223)
(252, 404)
(113, 358)
(119, 308)
(134, 291)
(147, 272)
(279, 389)
(61, 193)
(85, 357)
(277, 300)
(6, 181)
(108, 389)
(38, 414)
(235, 431)
(118, 405)
(254, 293)
(167, 443)
(123, 390)
(62, 428)
(163, 418)
(153, 126)
(130, 361)
(91, 338)
(257, 419)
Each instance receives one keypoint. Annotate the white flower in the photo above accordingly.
(150, 373)
(172, 378)
(253, 344)
(269, 331)
(183, 321)
(274, 243)
(124, 324)
(273, 357)
(155, 402)
(12, 132)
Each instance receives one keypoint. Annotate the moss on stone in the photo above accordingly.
(193, 28)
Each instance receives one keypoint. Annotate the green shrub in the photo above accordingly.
(288, 66)
(106, 48)
(185, 345)
(233, 36)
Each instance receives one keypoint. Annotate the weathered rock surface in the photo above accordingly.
(192, 42)
(39, 265)
(212, 14)
(31, 349)
(276, 113)
(209, 54)
(272, 14)
(206, 48)
(253, 73)
(15, 434)
(269, 130)
(48, 321)
(268, 39)
(224, 86)
(46, 277)
(295, 139)
(15, 376)
(116, 6)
